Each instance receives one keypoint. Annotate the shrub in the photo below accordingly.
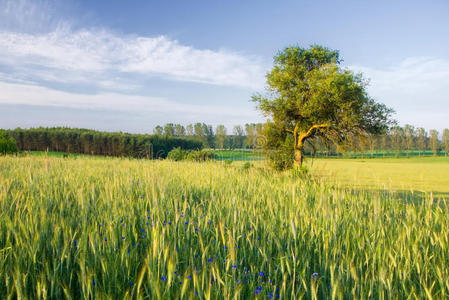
(7, 145)
(246, 165)
(201, 155)
(177, 154)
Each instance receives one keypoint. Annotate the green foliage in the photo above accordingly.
(7, 145)
(247, 165)
(85, 141)
(200, 155)
(178, 154)
(227, 162)
(310, 95)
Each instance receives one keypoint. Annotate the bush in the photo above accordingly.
(7, 145)
(177, 154)
(201, 155)
(246, 165)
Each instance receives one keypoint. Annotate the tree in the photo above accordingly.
(169, 130)
(434, 143)
(220, 135)
(180, 131)
(251, 135)
(446, 140)
(309, 95)
(409, 132)
(239, 136)
(421, 139)
(189, 130)
(158, 130)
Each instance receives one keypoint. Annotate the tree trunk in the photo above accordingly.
(298, 157)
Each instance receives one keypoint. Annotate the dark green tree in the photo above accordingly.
(310, 95)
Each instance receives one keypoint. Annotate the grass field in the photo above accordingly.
(418, 174)
(118, 228)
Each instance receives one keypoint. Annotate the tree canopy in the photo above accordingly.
(310, 95)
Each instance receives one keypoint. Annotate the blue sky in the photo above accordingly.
(115, 65)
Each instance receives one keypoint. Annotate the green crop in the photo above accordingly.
(81, 228)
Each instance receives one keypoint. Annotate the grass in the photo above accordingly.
(120, 228)
(421, 174)
(238, 155)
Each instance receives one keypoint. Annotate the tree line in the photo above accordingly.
(397, 141)
(92, 142)
(247, 136)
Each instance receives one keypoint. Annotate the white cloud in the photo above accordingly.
(416, 88)
(26, 94)
(64, 55)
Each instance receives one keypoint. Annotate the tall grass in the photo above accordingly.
(93, 228)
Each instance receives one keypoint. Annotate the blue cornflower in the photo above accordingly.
(256, 291)
(259, 288)
(163, 278)
(190, 276)
(196, 255)
(132, 283)
(74, 241)
(143, 230)
(234, 266)
(105, 239)
(180, 282)
(210, 260)
(261, 274)
(177, 249)
(314, 274)
(237, 281)
(133, 244)
(93, 282)
(186, 223)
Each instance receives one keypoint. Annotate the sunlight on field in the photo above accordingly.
(120, 228)
(417, 174)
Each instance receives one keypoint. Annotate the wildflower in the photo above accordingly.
(190, 276)
(234, 266)
(132, 283)
(105, 239)
(314, 274)
(186, 223)
(256, 291)
(180, 282)
(210, 260)
(237, 281)
(259, 288)
(93, 282)
(261, 274)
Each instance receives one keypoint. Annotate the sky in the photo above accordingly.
(129, 66)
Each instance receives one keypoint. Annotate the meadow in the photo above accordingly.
(86, 228)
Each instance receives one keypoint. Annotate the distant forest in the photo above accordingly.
(399, 141)
(85, 141)
(396, 140)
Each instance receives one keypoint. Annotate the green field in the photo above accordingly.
(238, 155)
(120, 228)
(417, 174)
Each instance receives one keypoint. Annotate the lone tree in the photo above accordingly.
(310, 96)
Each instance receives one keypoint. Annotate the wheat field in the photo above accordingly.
(85, 228)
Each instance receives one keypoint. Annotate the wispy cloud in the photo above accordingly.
(416, 88)
(27, 94)
(64, 55)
